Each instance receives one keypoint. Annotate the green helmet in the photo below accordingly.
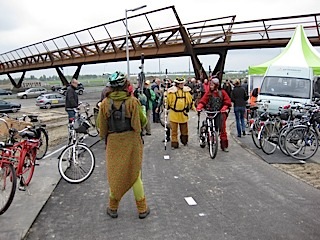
(117, 79)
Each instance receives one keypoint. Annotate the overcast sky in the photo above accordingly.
(24, 22)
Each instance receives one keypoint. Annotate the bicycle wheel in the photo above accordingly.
(76, 163)
(255, 133)
(92, 130)
(27, 168)
(8, 185)
(213, 144)
(268, 138)
(282, 140)
(301, 142)
(43, 143)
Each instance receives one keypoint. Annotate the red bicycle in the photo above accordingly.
(17, 160)
(8, 179)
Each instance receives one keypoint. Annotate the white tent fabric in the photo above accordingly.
(298, 53)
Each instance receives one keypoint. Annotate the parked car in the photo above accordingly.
(32, 93)
(50, 100)
(79, 90)
(5, 92)
(6, 106)
(55, 88)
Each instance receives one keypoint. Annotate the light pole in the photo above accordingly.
(127, 47)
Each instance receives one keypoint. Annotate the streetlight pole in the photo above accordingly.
(127, 40)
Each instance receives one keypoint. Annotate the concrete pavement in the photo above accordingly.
(237, 196)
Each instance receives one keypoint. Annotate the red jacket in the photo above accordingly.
(226, 101)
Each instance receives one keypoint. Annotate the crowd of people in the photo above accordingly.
(126, 113)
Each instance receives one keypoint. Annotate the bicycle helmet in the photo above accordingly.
(117, 79)
(179, 80)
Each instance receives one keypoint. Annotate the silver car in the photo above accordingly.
(32, 93)
(51, 100)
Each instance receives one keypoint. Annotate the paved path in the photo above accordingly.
(238, 196)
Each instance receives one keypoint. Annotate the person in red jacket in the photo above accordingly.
(217, 100)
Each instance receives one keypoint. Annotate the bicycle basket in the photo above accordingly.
(263, 117)
(284, 115)
(81, 125)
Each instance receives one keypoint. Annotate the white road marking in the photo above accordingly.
(190, 201)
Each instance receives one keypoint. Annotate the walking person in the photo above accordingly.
(151, 96)
(72, 100)
(156, 88)
(179, 102)
(121, 119)
(217, 100)
(239, 99)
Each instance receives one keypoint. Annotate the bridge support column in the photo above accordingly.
(19, 82)
(218, 69)
(63, 79)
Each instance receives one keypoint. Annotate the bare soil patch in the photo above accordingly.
(308, 172)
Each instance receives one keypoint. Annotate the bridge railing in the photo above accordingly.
(109, 38)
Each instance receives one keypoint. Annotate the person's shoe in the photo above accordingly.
(239, 136)
(112, 213)
(144, 214)
(148, 134)
(225, 149)
(244, 133)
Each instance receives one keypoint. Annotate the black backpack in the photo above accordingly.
(215, 103)
(117, 121)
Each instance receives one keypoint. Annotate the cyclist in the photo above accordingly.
(121, 119)
(217, 100)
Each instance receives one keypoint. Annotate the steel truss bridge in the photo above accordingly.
(106, 43)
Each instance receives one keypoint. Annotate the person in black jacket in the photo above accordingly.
(72, 100)
(239, 98)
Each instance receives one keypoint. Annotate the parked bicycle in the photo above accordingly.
(208, 134)
(302, 141)
(8, 179)
(77, 162)
(17, 160)
(90, 120)
(39, 130)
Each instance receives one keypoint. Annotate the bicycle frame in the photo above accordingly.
(210, 134)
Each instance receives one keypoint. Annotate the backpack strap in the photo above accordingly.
(123, 111)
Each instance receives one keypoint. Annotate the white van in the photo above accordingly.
(283, 85)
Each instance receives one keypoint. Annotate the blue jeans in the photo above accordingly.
(239, 113)
(71, 114)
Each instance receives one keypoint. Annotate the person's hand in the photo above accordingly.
(156, 110)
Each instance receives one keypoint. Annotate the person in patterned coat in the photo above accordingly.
(179, 102)
(124, 147)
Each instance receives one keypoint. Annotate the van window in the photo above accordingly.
(286, 87)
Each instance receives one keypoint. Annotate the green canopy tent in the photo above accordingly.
(298, 53)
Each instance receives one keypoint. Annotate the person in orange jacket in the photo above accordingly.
(217, 100)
